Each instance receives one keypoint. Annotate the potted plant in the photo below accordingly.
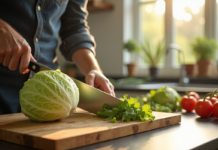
(191, 69)
(152, 55)
(71, 69)
(133, 48)
(204, 50)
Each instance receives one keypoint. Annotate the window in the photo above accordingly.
(189, 24)
(151, 23)
(152, 20)
(177, 21)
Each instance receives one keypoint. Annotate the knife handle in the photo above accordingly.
(34, 66)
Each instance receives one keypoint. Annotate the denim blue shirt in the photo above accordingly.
(40, 22)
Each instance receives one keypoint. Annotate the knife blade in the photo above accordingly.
(90, 99)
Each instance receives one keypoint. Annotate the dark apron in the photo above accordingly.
(10, 84)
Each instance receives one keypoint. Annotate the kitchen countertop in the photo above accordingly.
(202, 85)
(192, 133)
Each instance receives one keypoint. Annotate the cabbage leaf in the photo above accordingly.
(48, 96)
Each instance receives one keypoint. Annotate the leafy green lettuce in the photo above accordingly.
(164, 99)
(127, 110)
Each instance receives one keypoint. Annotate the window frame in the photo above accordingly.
(169, 69)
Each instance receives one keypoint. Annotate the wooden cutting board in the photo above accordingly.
(78, 129)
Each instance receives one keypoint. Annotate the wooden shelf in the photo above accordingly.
(98, 5)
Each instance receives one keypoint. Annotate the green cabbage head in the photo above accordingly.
(49, 96)
(165, 96)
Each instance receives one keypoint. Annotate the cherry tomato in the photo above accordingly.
(204, 108)
(215, 109)
(196, 95)
(213, 99)
(188, 103)
(215, 96)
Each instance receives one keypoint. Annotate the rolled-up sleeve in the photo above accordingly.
(74, 30)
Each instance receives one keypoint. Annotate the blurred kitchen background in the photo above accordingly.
(186, 28)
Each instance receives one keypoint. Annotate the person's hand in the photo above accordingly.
(87, 63)
(98, 80)
(14, 49)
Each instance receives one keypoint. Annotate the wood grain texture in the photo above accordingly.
(78, 129)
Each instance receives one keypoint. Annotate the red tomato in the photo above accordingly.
(215, 96)
(215, 109)
(204, 108)
(213, 99)
(188, 103)
(196, 95)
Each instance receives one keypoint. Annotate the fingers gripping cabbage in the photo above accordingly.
(48, 96)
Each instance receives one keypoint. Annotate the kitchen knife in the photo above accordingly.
(90, 98)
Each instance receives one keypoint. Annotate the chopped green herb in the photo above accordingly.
(114, 120)
(127, 110)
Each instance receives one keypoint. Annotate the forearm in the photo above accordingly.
(74, 30)
(85, 60)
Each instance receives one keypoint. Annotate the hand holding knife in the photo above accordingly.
(91, 99)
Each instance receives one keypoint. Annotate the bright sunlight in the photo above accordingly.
(179, 8)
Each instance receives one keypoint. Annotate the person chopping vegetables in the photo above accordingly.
(29, 30)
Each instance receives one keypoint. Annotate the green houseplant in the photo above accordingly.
(204, 50)
(132, 47)
(152, 55)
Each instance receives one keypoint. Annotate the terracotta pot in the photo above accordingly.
(191, 69)
(71, 72)
(153, 71)
(217, 70)
(205, 68)
(132, 69)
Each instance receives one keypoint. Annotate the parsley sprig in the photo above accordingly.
(127, 110)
